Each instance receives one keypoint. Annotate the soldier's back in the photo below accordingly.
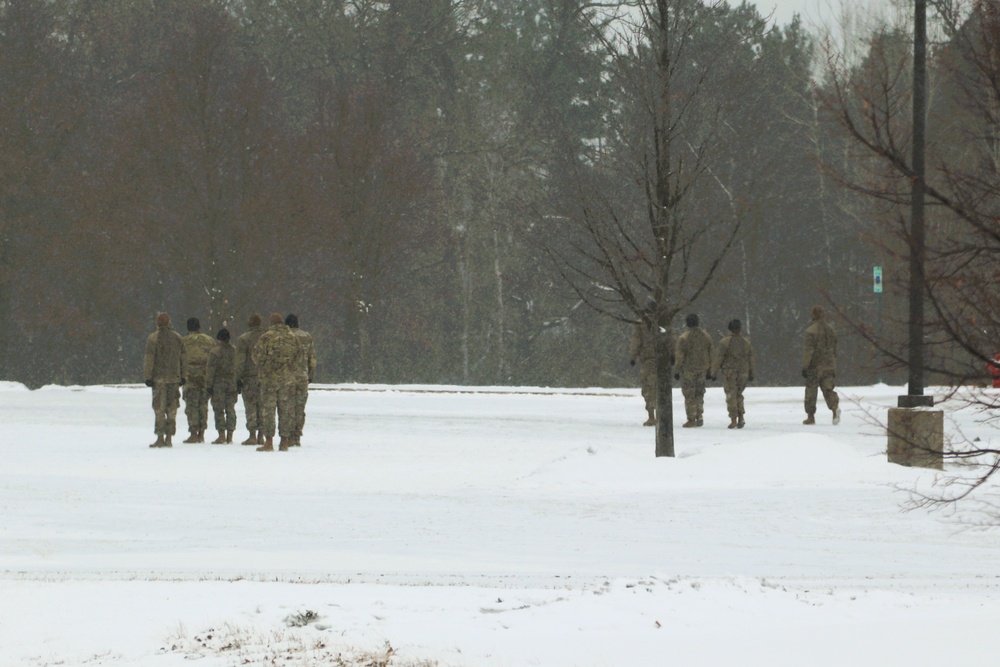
(696, 348)
(245, 366)
(307, 351)
(277, 354)
(223, 359)
(197, 347)
(166, 347)
(822, 341)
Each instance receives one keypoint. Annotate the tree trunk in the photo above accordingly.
(663, 234)
(466, 292)
(664, 394)
(501, 312)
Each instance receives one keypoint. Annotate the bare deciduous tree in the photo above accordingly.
(653, 211)
(962, 187)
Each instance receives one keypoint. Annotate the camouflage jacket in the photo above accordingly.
(693, 353)
(278, 355)
(734, 357)
(164, 358)
(643, 345)
(197, 347)
(246, 369)
(308, 368)
(819, 348)
(221, 368)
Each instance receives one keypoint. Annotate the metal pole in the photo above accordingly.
(917, 235)
(879, 336)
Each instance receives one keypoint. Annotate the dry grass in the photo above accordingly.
(294, 645)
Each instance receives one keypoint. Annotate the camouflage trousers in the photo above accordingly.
(734, 384)
(693, 389)
(647, 378)
(224, 405)
(166, 400)
(301, 389)
(251, 404)
(824, 381)
(196, 404)
(280, 396)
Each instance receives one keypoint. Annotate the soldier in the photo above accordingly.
(247, 380)
(278, 356)
(819, 365)
(693, 357)
(643, 348)
(735, 359)
(196, 349)
(306, 374)
(163, 366)
(220, 383)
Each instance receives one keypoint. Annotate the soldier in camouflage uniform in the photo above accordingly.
(247, 379)
(163, 367)
(734, 359)
(819, 365)
(220, 383)
(278, 355)
(197, 346)
(306, 373)
(643, 348)
(693, 359)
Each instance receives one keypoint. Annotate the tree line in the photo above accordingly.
(446, 191)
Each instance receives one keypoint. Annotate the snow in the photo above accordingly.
(486, 526)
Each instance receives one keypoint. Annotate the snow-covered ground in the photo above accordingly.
(450, 526)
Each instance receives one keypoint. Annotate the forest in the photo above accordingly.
(451, 191)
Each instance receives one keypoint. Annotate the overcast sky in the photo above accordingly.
(811, 11)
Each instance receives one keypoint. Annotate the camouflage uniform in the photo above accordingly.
(643, 348)
(693, 359)
(163, 366)
(197, 347)
(278, 356)
(819, 365)
(221, 379)
(307, 371)
(248, 378)
(734, 359)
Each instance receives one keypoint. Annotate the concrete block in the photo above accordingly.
(916, 437)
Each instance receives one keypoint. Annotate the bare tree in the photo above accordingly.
(653, 210)
(962, 188)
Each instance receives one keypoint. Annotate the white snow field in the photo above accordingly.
(483, 526)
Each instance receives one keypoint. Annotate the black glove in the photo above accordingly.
(677, 376)
(239, 386)
(805, 373)
(149, 383)
(631, 362)
(183, 380)
(708, 375)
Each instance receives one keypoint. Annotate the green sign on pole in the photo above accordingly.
(877, 275)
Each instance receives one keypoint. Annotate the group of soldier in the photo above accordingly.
(696, 362)
(271, 368)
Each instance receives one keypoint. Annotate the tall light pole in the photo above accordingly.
(916, 437)
(915, 392)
